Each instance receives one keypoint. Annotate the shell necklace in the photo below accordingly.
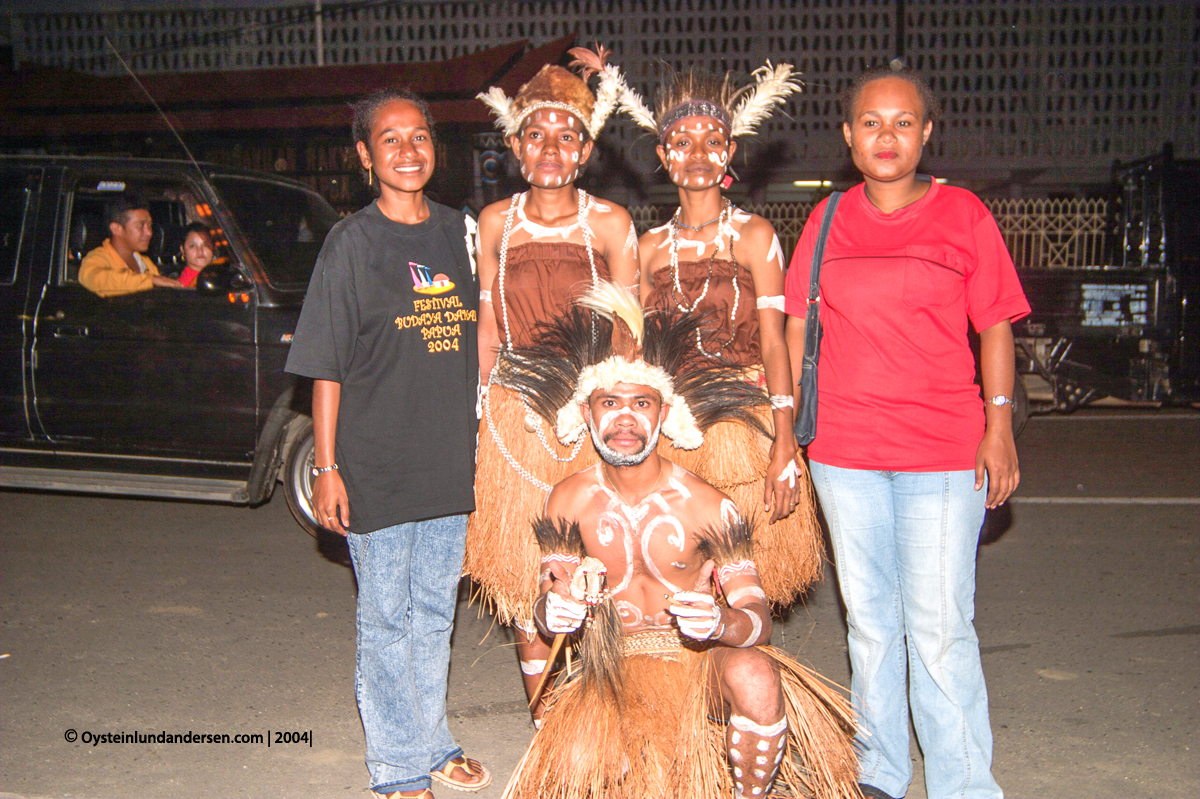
(723, 220)
(532, 420)
(584, 228)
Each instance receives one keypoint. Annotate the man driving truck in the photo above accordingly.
(119, 266)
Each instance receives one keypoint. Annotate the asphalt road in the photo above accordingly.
(125, 615)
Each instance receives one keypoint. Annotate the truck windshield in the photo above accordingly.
(286, 225)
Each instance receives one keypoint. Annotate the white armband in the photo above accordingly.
(756, 625)
(738, 567)
(746, 591)
(781, 401)
(485, 295)
(775, 302)
(558, 557)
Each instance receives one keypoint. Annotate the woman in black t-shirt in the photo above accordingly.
(388, 334)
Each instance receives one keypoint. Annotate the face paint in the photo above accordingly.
(552, 143)
(614, 458)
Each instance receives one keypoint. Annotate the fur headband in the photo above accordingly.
(558, 88)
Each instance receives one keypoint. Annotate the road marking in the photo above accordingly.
(1106, 500)
(1134, 416)
(1192, 630)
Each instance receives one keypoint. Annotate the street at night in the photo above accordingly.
(140, 617)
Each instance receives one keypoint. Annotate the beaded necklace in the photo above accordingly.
(584, 228)
(723, 226)
(532, 420)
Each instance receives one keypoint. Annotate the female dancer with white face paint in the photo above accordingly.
(713, 258)
(538, 251)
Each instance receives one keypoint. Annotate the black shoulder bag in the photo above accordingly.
(806, 414)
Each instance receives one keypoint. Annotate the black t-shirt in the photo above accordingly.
(390, 314)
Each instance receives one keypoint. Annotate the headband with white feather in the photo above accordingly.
(558, 88)
(575, 355)
(696, 93)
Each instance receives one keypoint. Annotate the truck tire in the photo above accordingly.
(1021, 407)
(297, 477)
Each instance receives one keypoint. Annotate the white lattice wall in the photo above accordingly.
(1027, 86)
(1040, 234)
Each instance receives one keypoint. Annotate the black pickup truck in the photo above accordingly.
(1128, 328)
(162, 393)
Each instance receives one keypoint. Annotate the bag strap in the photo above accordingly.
(819, 251)
(811, 328)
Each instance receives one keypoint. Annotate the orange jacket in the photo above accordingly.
(104, 272)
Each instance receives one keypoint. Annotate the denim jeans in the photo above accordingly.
(904, 545)
(407, 591)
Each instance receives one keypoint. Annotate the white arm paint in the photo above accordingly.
(776, 301)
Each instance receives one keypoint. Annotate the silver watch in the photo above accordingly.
(317, 471)
(1000, 401)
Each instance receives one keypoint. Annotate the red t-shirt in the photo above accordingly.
(896, 386)
(188, 276)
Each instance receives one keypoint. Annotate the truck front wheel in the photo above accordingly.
(297, 477)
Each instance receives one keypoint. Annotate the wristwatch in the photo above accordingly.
(999, 401)
(317, 471)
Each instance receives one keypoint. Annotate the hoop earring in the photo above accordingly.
(369, 176)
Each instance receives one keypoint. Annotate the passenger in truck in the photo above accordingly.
(119, 266)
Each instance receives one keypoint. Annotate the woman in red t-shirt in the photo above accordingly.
(907, 455)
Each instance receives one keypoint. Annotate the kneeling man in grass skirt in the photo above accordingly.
(649, 572)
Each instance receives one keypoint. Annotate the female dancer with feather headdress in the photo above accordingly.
(715, 259)
(539, 250)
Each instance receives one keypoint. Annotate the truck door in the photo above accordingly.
(164, 372)
(20, 197)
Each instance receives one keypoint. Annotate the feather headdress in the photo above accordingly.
(577, 353)
(558, 88)
(698, 94)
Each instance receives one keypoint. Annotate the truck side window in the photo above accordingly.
(14, 201)
(172, 206)
(86, 231)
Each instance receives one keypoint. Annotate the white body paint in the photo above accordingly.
(631, 243)
(776, 253)
(541, 232)
(791, 472)
(775, 302)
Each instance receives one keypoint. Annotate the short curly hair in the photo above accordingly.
(930, 102)
(366, 109)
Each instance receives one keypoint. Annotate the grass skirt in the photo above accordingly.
(502, 556)
(654, 737)
(734, 458)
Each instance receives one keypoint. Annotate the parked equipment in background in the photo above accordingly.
(1128, 328)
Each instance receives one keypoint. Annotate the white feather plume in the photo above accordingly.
(612, 300)
(772, 86)
(632, 104)
(608, 96)
(501, 105)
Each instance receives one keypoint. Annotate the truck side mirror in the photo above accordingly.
(219, 279)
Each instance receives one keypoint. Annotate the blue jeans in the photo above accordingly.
(904, 545)
(407, 591)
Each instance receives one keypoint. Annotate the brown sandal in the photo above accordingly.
(478, 776)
